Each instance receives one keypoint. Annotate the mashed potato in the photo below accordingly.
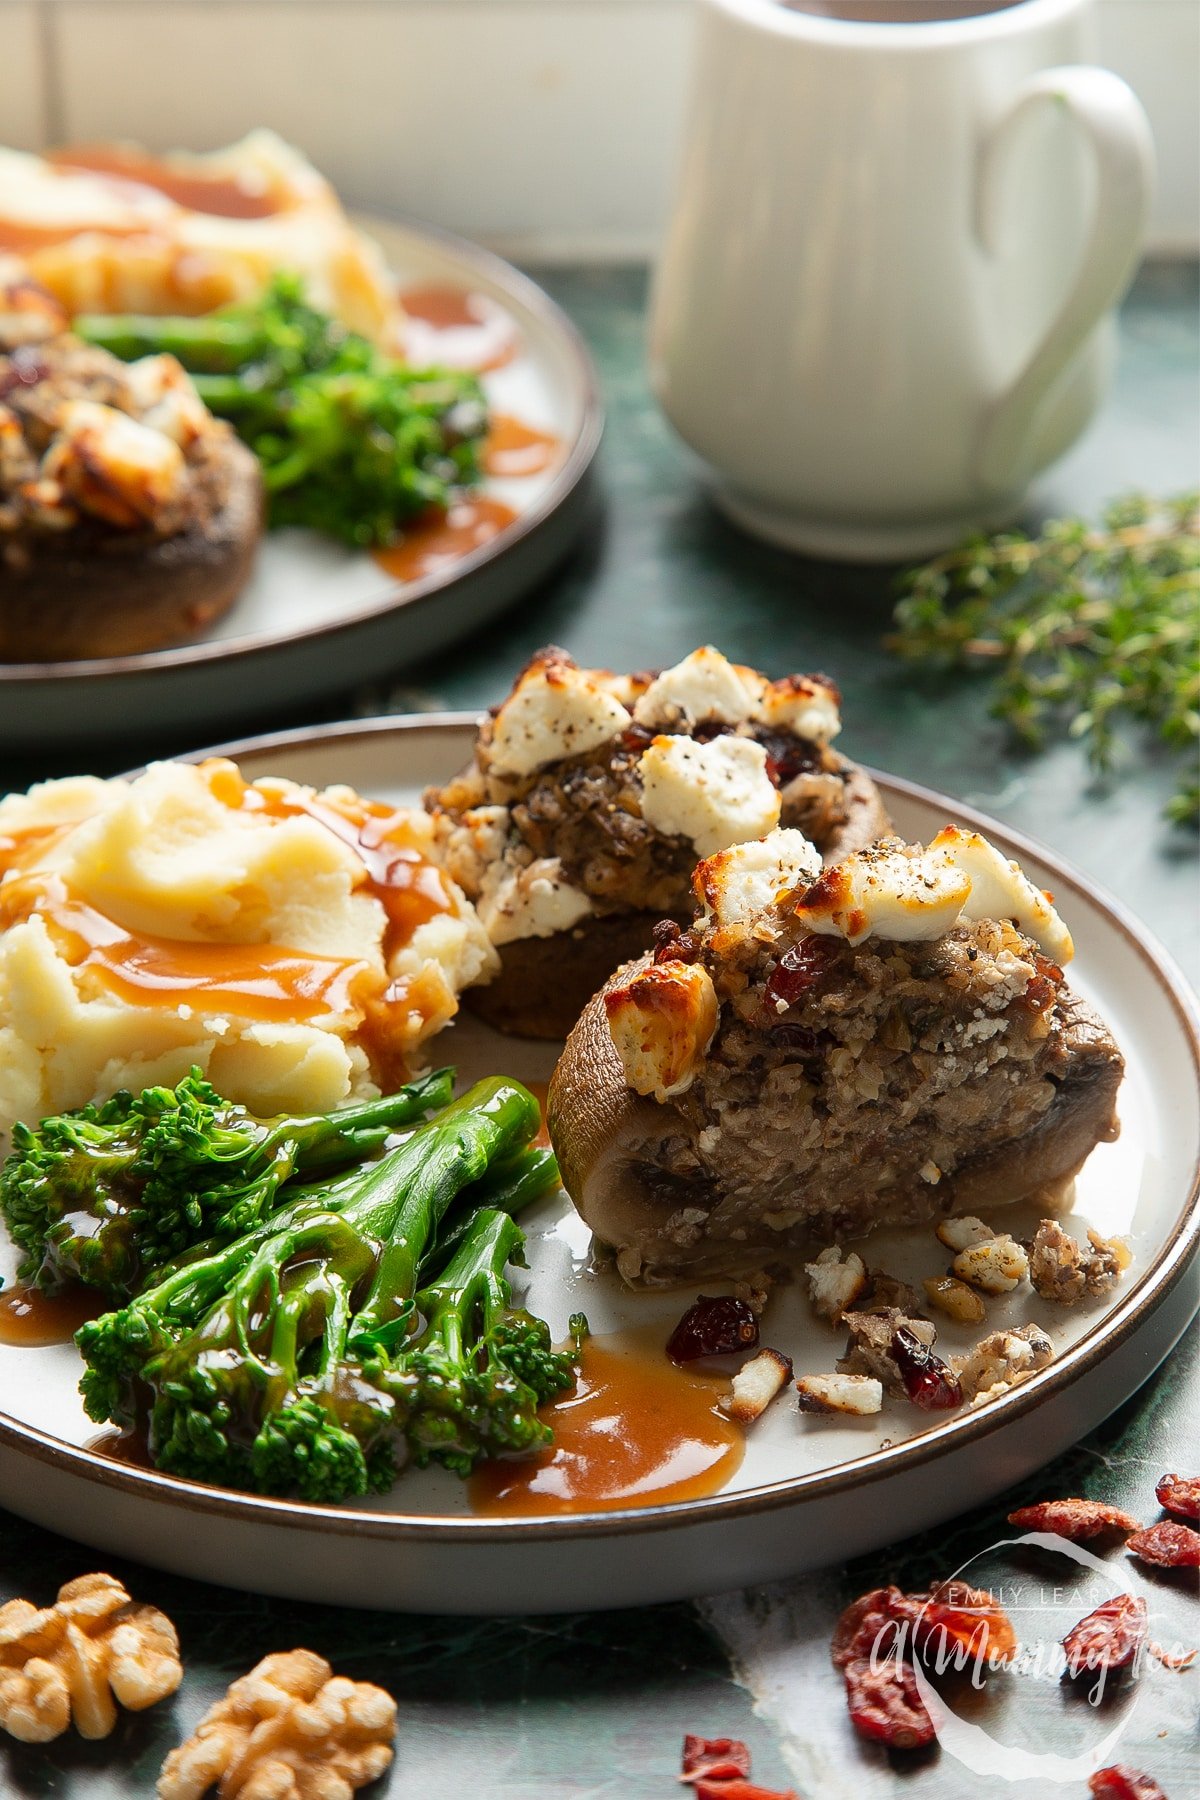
(298, 946)
(110, 228)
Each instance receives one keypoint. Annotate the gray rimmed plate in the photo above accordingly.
(317, 616)
(807, 1493)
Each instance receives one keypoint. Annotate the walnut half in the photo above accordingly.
(75, 1660)
(289, 1730)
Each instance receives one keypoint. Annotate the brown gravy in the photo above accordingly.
(223, 194)
(635, 1431)
(407, 885)
(514, 449)
(23, 237)
(33, 1319)
(257, 981)
(129, 1447)
(433, 542)
(457, 329)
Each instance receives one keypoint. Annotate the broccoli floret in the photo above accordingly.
(278, 1362)
(471, 1383)
(106, 1193)
(351, 441)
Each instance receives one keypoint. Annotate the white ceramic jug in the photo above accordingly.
(881, 303)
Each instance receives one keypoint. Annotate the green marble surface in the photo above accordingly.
(595, 1707)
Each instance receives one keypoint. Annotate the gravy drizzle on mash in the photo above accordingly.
(298, 946)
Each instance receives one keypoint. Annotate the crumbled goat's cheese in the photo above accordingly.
(715, 794)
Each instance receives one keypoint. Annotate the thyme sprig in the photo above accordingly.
(1087, 629)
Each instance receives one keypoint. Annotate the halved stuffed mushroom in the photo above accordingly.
(578, 822)
(886, 1042)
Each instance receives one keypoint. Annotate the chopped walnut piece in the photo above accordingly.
(73, 1661)
(869, 1351)
(1001, 1360)
(998, 1265)
(825, 1394)
(289, 1730)
(834, 1283)
(756, 1384)
(955, 1299)
(755, 1290)
(1061, 1270)
(960, 1234)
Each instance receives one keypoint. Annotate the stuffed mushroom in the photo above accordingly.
(576, 826)
(885, 1042)
(129, 515)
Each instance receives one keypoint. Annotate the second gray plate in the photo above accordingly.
(317, 617)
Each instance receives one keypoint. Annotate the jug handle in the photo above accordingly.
(1112, 120)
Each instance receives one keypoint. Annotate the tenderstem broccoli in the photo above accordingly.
(469, 1385)
(106, 1193)
(351, 441)
(305, 1357)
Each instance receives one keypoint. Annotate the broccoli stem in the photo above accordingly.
(326, 1140)
(213, 343)
(351, 441)
(491, 1122)
(472, 1284)
(240, 1347)
(471, 1383)
(104, 1194)
(508, 1188)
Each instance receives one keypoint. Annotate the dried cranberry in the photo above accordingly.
(1122, 1783)
(672, 944)
(666, 934)
(884, 1703)
(869, 1626)
(1167, 1545)
(800, 970)
(715, 1758)
(956, 1624)
(869, 1646)
(1042, 986)
(1072, 1519)
(716, 1325)
(787, 756)
(1109, 1638)
(26, 368)
(1180, 1494)
(928, 1381)
(737, 1788)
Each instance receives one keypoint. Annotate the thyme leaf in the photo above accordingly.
(1088, 630)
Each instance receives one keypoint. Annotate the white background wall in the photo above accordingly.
(544, 127)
